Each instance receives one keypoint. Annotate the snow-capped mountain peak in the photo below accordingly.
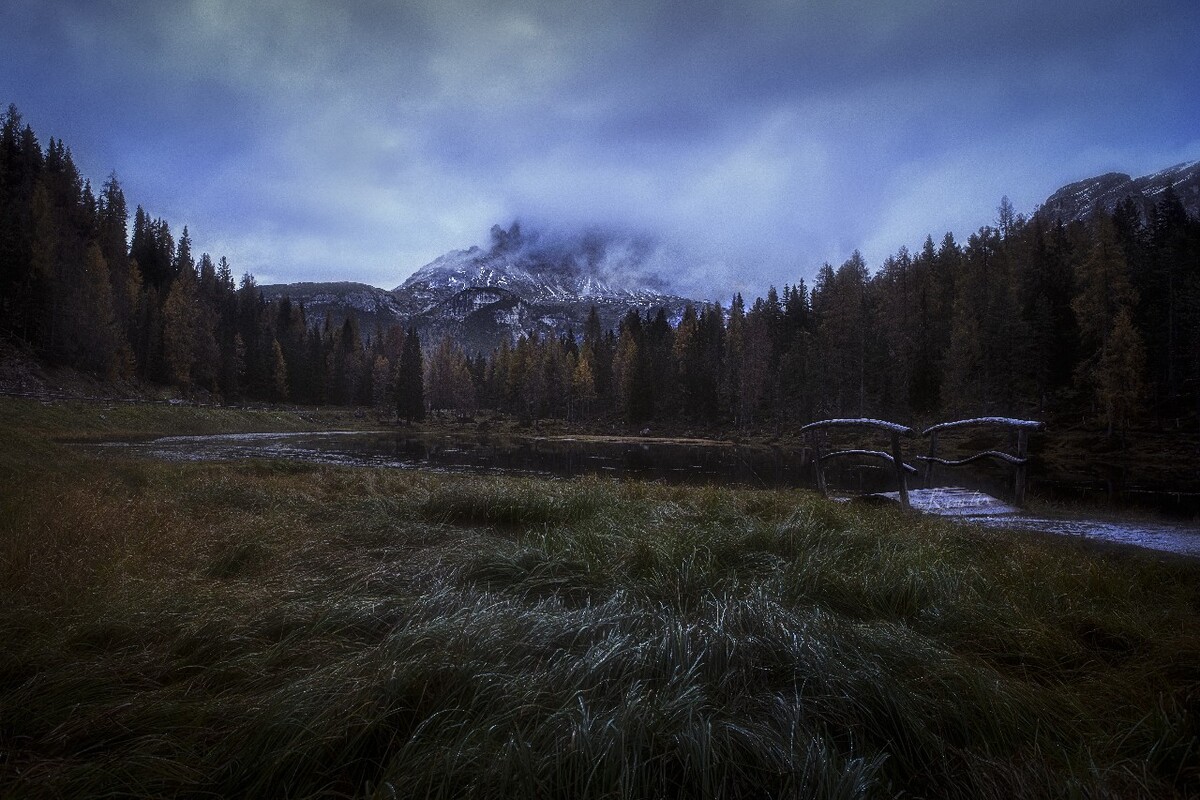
(537, 283)
(590, 266)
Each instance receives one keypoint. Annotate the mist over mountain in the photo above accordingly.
(526, 282)
(544, 267)
(540, 283)
(538, 280)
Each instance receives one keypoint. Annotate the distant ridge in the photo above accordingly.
(370, 306)
(524, 284)
(1076, 201)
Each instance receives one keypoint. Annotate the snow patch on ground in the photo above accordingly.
(977, 508)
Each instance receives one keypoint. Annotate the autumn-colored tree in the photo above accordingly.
(583, 387)
(448, 382)
(279, 373)
(180, 324)
(1118, 376)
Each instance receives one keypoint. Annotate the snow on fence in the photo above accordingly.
(896, 457)
(1019, 461)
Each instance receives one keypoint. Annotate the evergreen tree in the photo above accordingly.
(180, 325)
(410, 380)
(1103, 308)
(1118, 374)
(448, 382)
(153, 248)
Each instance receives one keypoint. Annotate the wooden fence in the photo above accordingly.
(1019, 460)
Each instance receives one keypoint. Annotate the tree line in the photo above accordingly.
(1030, 316)
(1091, 319)
(82, 290)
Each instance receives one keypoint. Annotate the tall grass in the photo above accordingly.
(247, 629)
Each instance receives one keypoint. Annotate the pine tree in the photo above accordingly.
(583, 387)
(1103, 308)
(410, 380)
(448, 382)
(180, 326)
(1118, 375)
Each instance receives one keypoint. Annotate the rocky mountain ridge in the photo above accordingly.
(523, 284)
(532, 283)
(1076, 201)
(370, 306)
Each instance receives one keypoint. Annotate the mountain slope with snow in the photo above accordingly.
(524, 284)
(531, 284)
(589, 266)
(370, 306)
(1077, 200)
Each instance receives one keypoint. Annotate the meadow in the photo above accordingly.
(267, 628)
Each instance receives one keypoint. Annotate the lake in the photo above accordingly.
(692, 462)
(683, 462)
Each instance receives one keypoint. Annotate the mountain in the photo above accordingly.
(531, 283)
(1077, 200)
(371, 306)
(522, 284)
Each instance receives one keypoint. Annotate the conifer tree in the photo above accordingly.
(1118, 375)
(180, 325)
(583, 387)
(93, 332)
(1103, 308)
(410, 380)
(448, 382)
(279, 376)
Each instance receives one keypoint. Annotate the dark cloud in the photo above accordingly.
(312, 140)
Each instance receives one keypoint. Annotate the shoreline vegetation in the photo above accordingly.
(283, 629)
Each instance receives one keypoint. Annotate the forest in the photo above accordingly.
(1096, 319)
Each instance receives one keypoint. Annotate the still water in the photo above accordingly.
(676, 462)
(715, 462)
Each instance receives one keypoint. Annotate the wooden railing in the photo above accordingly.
(1019, 460)
(896, 457)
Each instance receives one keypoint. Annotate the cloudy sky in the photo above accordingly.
(358, 140)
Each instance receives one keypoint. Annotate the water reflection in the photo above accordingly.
(669, 461)
(678, 462)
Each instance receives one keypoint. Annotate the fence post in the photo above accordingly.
(898, 458)
(929, 463)
(821, 487)
(1022, 445)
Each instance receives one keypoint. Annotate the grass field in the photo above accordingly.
(278, 629)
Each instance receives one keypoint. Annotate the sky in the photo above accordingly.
(310, 140)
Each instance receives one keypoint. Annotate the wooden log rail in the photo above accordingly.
(1019, 461)
(896, 457)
